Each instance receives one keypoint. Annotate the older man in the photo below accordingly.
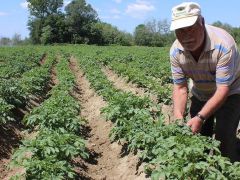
(209, 56)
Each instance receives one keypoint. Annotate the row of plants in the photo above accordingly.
(136, 75)
(170, 151)
(154, 62)
(49, 153)
(147, 67)
(17, 60)
(16, 92)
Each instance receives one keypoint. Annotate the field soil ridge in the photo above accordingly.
(12, 133)
(108, 161)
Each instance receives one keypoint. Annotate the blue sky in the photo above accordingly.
(125, 14)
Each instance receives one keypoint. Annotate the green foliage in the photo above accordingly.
(51, 144)
(107, 35)
(170, 151)
(46, 34)
(42, 8)
(80, 16)
(59, 111)
(12, 92)
(154, 33)
(48, 155)
(48, 168)
(35, 80)
(16, 85)
(5, 41)
(80, 24)
(46, 23)
(5, 111)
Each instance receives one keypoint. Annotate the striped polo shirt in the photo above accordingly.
(219, 64)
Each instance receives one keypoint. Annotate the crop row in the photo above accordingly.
(49, 154)
(15, 61)
(171, 151)
(16, 92)
(136, 75)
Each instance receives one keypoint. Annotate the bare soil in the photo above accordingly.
(12, 133)
(42, 61)
(122, 84)
(9, 140)
(107, 160)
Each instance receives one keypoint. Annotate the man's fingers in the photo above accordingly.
(195, 125)
(194, 130)
(189, 123)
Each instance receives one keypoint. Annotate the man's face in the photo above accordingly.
(192, 37)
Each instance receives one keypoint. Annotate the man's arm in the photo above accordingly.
(179, 100)
(214, 103)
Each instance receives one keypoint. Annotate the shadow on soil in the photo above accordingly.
(9, 138)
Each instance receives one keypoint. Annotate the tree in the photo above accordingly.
(80, 18)
(59, 29)
(225, 26)
(154, 33)
(45, 15)
(236, 34)
(163, 26)
(35, 27)
(5, 41)
(46, 36)
(142, 36)
(43, 8)
(16, 39)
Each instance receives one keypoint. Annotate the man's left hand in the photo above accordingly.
(195, 124)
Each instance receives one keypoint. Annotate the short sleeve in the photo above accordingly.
(225, 69)
(177, 72)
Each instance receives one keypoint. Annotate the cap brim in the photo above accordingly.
(184, 22)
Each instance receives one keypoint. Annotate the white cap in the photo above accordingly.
(184, 15)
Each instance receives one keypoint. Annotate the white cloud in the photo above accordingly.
(117, 1)
(24, 5)
(139, 9)
(3, 14)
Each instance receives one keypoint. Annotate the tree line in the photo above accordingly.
(78, 23)
(14, 41)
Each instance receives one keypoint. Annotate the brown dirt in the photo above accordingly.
(121, 83)
(106, 160)
(9, 140)
(12, 133)
(42, 61)
(54, 79)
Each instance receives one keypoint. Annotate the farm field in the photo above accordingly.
(92, 112)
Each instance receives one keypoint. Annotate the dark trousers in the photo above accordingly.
(227, 119)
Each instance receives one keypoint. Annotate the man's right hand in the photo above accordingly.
(195, 124)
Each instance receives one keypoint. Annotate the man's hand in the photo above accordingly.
(195, 124)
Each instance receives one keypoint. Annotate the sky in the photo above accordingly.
(124, 14)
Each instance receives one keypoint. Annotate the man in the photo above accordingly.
(209, 57)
